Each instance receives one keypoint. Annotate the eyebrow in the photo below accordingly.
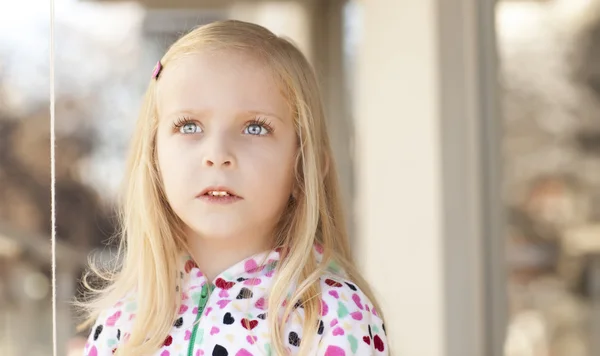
(262, 113)
(188, 112)
(204, 113)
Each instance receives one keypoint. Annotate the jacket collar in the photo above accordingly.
(259, 266)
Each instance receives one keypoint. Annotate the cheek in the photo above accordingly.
(172, 171)
(272, 169)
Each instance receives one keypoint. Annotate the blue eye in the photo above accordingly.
(187, 126)
(256, 129)
(190, 128)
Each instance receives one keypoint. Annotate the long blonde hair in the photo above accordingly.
(151, 235)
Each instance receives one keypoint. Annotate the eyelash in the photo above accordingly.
(182, 121)
(260, 121)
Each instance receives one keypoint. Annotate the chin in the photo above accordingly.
(216, 230)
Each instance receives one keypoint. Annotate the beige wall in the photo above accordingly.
(398, 157)
(428, 208)
(284, 18)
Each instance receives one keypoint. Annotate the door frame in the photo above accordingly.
(471, 135)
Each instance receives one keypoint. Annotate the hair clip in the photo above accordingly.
(157, 69)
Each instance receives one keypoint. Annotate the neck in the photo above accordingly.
(215, 255)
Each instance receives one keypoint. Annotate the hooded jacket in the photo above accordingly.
(231, 314)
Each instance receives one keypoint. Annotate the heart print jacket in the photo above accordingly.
(232, 312)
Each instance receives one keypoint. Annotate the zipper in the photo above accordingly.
(204, 295)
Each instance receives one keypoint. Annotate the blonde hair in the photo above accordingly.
(151, 234)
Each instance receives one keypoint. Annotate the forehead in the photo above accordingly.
(219, 81)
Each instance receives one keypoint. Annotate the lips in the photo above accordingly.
(217, 191)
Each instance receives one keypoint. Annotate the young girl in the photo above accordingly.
(233, 240)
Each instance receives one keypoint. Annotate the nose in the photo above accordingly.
(218, 154)
(217, 161)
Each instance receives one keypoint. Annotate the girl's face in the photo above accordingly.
(226, 145)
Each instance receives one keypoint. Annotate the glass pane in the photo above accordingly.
(550, 70)
(25, 213)
(96, 106)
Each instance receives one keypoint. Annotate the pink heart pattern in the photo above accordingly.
(261, 304)
(113, 318)
(233, 319)
(356, 315)
(223, 303)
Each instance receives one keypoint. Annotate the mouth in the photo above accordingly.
(218, 192)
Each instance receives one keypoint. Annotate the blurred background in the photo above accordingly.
(466, 133)
(25, 214)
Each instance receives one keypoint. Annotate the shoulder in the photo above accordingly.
(111, 327)
(344, 301)
(350, 319)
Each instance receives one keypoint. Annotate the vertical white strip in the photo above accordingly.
(463, 147)
(53, 179)
(399, 173)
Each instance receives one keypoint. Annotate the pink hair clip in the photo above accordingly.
(157, 69)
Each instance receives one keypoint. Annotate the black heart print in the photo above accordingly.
(352, 286)
(98, 331)
(228, 319)
(178, 322)
(262, 316)
(321, 327)
(219, 351)
(118, 334)
(294, 339)
(245, 293)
